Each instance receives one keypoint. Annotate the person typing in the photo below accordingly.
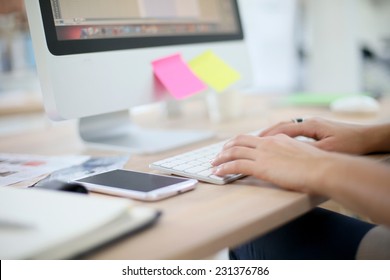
(328, 167)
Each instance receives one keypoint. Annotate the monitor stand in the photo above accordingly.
(114, 131)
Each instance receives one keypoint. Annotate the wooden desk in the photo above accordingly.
(199, 223)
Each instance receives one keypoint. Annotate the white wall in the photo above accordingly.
(269, 28)
(333, 34)
(333, 50)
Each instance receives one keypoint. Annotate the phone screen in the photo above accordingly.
(131, 180)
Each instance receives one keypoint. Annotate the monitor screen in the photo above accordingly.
(89, 26)
(94, 57)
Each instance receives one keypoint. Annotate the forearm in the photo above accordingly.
(359, 184)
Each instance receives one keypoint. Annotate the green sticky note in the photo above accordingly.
(214, 71)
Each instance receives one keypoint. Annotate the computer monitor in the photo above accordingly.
(94, 60)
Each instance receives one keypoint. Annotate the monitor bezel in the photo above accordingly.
(69, 47)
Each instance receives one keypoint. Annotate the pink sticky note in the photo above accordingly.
(177, 77)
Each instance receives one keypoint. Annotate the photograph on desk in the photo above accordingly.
(38, 169)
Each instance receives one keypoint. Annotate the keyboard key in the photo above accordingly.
(195, 169)
(206, 173)
(182, 167)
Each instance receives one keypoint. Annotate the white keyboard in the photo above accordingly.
(195, 164)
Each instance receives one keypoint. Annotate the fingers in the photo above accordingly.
(268, 131)
(306, 128)
(234, 153)
(237, 156)
(248, 141)
(241, 166)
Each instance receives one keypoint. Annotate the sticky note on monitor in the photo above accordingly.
(214, 71)
(177, 77)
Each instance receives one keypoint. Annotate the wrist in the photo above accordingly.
(320, 179)
(377, 138)
(334, 172)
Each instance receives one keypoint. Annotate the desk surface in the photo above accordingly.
(199, 223)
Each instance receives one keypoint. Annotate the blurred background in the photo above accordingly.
(311, 46)
(16, 53)
(319, 46)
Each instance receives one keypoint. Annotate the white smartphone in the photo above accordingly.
(137, 185)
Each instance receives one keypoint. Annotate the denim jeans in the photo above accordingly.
(319, 235)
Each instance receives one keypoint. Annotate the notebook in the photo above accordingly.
(44, 224)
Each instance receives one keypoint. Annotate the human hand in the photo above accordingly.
(277, 159)
(330, 135)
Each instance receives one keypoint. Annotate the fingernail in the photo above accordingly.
(216, 169)
(214, 160)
